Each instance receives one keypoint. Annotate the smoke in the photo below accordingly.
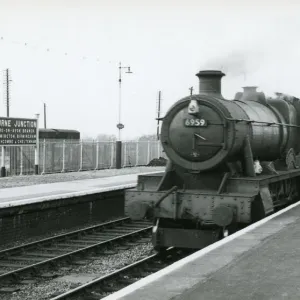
(236, 63)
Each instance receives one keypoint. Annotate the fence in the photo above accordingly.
(67, 156)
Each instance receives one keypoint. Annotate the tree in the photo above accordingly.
(148, 137)
(106, 137)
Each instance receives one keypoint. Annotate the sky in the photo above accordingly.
(66, 53)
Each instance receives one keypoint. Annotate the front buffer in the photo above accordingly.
(196, 218)
(188, 219)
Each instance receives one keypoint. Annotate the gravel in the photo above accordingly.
(15, 181)
(45, 289)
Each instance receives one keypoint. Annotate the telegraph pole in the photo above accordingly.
(7, 82)
(7, 93)
(158, 114)
(45, 116)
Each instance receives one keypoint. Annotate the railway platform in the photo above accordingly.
(258, 262)
(26, 195)
(34, 210)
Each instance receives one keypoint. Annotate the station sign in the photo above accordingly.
(15, 131)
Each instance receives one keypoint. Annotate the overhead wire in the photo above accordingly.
(53, 50)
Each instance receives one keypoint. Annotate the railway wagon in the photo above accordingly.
(58, 134)
(230, 163)
(53, 153)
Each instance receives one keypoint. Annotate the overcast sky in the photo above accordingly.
(70, 59)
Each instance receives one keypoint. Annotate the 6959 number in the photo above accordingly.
(195, 122)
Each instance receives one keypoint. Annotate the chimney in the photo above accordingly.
(210, 83)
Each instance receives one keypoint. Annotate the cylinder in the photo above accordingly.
(210, 83)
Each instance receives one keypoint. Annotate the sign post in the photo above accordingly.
(3, 171)
(18, 132)
(120, 126)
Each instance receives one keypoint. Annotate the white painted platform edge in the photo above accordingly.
(32, 200)
(154, 277)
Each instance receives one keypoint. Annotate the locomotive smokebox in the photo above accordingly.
(210, 83)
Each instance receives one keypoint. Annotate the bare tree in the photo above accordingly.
(148, 137)
(106, 137)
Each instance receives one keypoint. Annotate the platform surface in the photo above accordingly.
(260, 262)
(25, 195)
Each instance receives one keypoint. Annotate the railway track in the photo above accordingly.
(115, 281)
(28, 261)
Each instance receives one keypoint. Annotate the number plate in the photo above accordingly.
(195, 122)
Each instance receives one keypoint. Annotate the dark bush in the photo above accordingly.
(157, 162)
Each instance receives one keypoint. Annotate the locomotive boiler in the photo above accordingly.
(230, 163)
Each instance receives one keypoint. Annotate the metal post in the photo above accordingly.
(158, 149)
(44, 157)
(148, 153)
(112, 155)
(97, 155)
(137, 153)
(21, 161)
(3, 171)
(81, 155)
(125, 155)
(64, 156)
(36, 161)
(71, 156)
(118, 154)
(120, 126)
(120, 101)
(52, 151)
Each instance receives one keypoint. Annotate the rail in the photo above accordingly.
(111, 283)
(48, 252)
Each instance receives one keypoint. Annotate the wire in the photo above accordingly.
(50, 50)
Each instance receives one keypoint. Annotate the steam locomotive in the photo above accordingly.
(231, 163)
